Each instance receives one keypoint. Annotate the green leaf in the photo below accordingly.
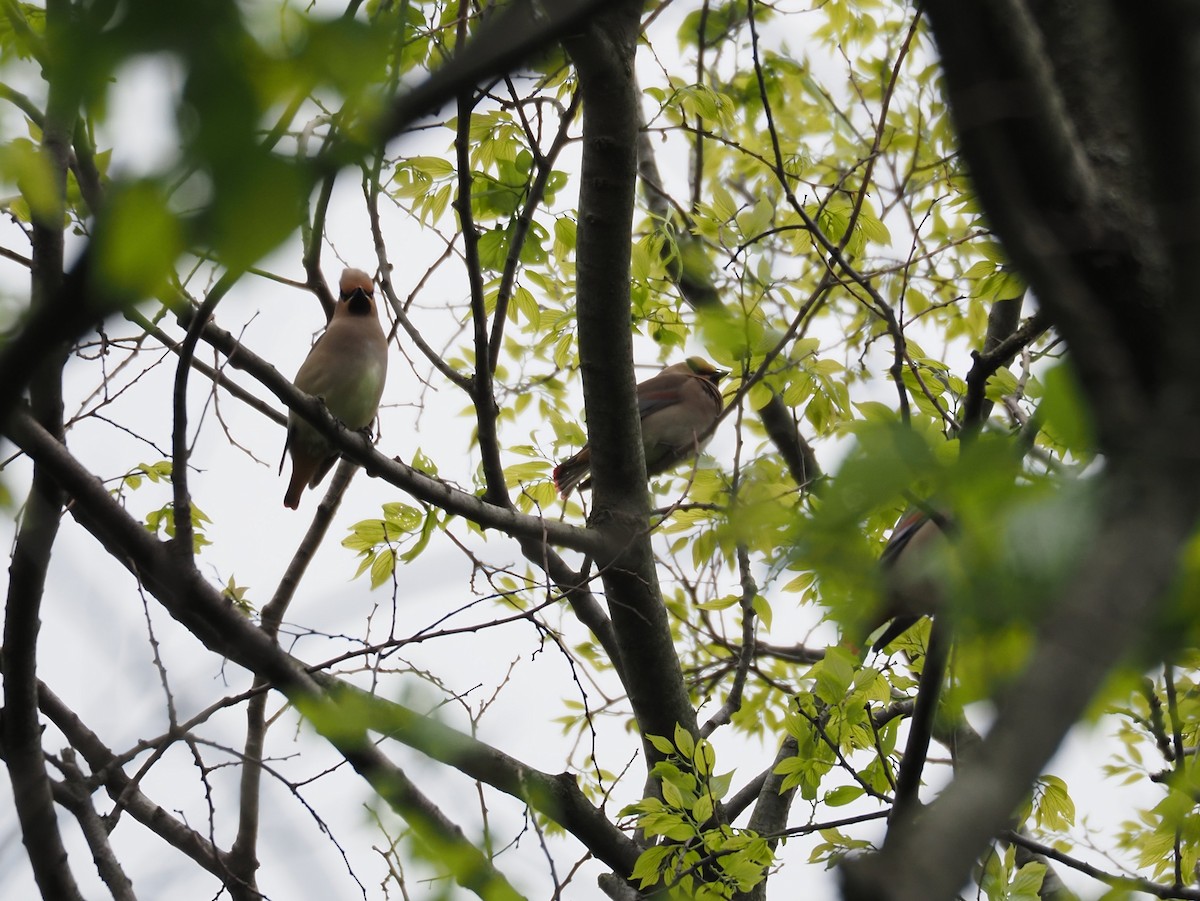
(137, 240)
(1054, 808)
(382, 566)
(661, 744)
(1065, 411)
(650, 863)
(22, 163)
(684, 742)
(843, 794)
(1026, 884)
(718, 785)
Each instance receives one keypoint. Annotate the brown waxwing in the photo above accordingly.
(910, 590)
(346, 369)
(679, 409)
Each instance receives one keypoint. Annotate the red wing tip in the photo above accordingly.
(557, 478)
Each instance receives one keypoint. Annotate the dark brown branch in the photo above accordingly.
(649, 663)
(180, 452)
(1003, 342)
(483, 394)
(124, 791)
(1123, 882)
(20, 731)
(75, 795)
(201, 608)
(418, 484)
(314, 236)
(920, 728)
(243, 855)
(519, 30)
(733, 702)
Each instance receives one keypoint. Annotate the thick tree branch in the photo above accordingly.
(1003, 341)
(920, 730)
(75, 794)
(653, 677)
(1047, 106)
(203, 610)
(20, 731)
(1027, 128)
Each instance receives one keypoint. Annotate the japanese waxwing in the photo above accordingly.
(679, 409)
(911, 590)
(346, 369)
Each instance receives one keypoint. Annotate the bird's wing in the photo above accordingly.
(658, 392)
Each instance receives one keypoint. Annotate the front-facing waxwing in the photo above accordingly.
(679, 409)
(346, 369)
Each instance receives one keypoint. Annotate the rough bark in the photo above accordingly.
(1066, 112)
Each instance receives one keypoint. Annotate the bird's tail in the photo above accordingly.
(295, 490)
(571, 471)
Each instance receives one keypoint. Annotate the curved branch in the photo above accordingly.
(483, 395)
(201, 608)
(1002, 344)
(695, 285)
(421, 486)
(20, 731)
(179, 444)
(124, 791)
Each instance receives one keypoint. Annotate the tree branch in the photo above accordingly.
(107, 768)
(649, 663)
(20, 731)
(202, 609)
(421, 486)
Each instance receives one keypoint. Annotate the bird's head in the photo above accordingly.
(706, 370)
(356, 294)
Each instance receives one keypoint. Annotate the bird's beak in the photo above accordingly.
(358, 301)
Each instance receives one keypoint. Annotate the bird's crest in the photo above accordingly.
(357, 290)
(702, 367)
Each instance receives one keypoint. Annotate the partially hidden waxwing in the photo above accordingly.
(911, 589)
(346, 369)
(679, 408)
